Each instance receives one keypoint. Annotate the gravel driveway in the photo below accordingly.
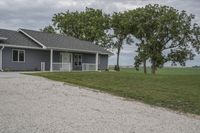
(32, 104)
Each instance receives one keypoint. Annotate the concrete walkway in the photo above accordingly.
(9, 74)
(32, 104)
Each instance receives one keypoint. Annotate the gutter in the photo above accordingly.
(54, 48)
(20, 46)
(77, 50)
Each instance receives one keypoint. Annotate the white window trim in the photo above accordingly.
(78, 59)
(18, 50)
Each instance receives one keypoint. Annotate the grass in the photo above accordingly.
(174, 88)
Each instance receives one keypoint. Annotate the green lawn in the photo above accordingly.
(174, 88)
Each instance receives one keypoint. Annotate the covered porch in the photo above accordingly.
(73, 61)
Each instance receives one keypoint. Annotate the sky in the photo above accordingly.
(35, 14)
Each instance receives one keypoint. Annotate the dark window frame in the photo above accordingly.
(19, 51)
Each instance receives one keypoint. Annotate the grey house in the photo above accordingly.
(33, 50)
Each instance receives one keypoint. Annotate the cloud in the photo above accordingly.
(38, 13)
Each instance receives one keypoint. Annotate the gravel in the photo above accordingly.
(33, 104)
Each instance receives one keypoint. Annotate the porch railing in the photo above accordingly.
(57, 66)
(88, 67)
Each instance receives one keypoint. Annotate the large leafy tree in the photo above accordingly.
(48, 29)
(165, 33)
(90, 25)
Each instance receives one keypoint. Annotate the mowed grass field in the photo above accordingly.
(174, 88)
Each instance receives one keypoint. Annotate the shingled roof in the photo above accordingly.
(39, 39)
(15, 38)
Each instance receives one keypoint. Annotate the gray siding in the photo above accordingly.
(33, 59)
(56, 56)
(89, 58)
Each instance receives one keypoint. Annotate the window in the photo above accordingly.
(21, 56)
(15, 55)
(77, 60)
(18, 55)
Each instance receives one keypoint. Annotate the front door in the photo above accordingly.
(66, 61)
(77, 62)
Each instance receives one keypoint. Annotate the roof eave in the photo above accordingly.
(78, 50)
(54, 48)
(3, 38)
(21, 46)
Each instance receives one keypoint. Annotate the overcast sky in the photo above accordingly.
(35, 14)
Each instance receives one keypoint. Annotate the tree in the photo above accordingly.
(90, 25)
(142, 56)
(196, 38)
(48, 29)
(119, 33)
(141, 32)
(165, 33)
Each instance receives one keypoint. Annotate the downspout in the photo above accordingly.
(2, 48)
(1, 56)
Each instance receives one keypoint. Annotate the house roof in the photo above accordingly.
(31, 38)
(16, 39)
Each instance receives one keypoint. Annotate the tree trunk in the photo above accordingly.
(145, 67)
(153, 68)
(119, 46)
(118, 53)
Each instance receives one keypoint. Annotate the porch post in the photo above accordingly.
(71, 61)
(1, 58)
(97, 61)
(51, 60)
